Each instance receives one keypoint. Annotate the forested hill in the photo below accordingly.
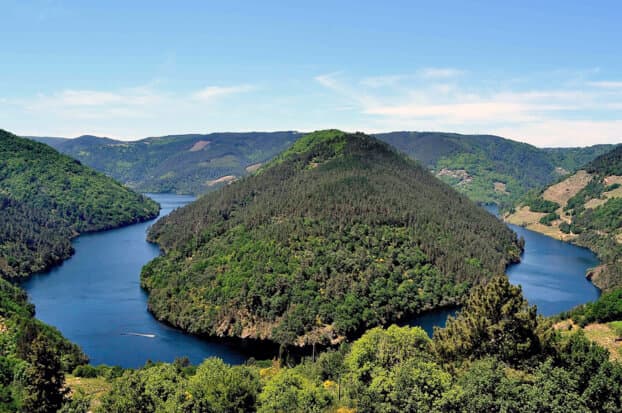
(337, 234)
(46, 198)
(490, 168)
(584, 208)
(193, 163)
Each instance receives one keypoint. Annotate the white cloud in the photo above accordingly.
(544, 117)
(213, 92)
(607, 84)
(564, 132)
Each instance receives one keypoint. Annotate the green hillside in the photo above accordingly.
(47, 198)
(584, 208)
(178, 163)
(489, 168)
(338, 234)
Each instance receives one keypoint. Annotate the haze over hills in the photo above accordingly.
(584, 208)
(486, 168)
(48, 198)
(191, 163)
(337, 234)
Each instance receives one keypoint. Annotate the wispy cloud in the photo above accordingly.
(607, 84)
(382, 81)
(545, 117)
(214, 92)
(439, 72)
(122, 113)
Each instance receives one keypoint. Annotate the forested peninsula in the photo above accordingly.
(338, 234)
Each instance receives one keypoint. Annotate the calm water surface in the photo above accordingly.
(96, 301)
(551, 274)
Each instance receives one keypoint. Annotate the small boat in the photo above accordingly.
(139, 335)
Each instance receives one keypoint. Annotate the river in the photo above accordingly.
(95, 299)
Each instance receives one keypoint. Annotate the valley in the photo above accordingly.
(98, 302)
(584, 208)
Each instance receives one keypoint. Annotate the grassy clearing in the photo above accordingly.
(605, 335)
(94, 388)
(566, 189)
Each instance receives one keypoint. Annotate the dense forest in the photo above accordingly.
(188, 164)
(46, 198)
(490, 169)
(586, 208)
(496, 355)
(338, 234)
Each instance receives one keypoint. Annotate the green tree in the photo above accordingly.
(43, 390)
(496, 320)
(290, 391)
(219, 388)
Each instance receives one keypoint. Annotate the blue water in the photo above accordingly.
(95, 299)
(551, 274)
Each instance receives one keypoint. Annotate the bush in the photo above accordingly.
(548, 218)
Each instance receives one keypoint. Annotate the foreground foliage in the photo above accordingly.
(33, 356)
(400, 369)
(338, 234)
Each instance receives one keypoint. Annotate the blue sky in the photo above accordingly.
(547, 73)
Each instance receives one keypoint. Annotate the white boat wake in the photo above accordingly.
(139, 335)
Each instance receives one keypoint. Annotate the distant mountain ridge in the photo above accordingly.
(191, 163)
(487, 168)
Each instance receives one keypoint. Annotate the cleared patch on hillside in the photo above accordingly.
(199, 145)
(222, 180)
(501, 188)
(605, 336)
(561, 171)
(613, 179)
(253, 168)
(460, 174)
(95, 388)
(615, 193)
(595, 203)
(566, 189)
(524, 217)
